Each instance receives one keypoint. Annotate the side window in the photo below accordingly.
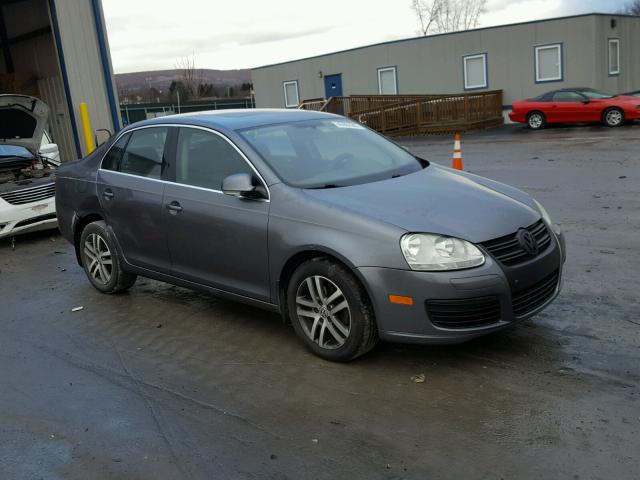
(568, 97)
(206, 159)
(144, 153)
(112, 159)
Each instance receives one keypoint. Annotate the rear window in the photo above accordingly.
(139, 153)
(144, 153)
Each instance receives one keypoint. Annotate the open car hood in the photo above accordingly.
(22, 121)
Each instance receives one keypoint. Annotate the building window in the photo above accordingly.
(387, 81)
(291, 96)
(614, 56)
(548, 63)
(475, 71)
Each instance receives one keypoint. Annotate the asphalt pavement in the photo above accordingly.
(164, 383)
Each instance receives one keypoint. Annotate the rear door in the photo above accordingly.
(130, 190)
(215, 239)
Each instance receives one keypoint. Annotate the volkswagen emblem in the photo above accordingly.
(527, 241)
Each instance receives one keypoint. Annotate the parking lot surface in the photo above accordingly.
(165, 383)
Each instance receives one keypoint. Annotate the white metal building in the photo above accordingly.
(58, 50)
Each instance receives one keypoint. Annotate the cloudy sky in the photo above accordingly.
(153, 34)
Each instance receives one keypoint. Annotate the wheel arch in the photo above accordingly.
(609, 108)
(306, 254)
(78, 227)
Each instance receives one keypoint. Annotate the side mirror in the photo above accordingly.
(586, 102)
(49, 148)
(238, 185)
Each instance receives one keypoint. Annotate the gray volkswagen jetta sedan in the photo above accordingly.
(347, 235)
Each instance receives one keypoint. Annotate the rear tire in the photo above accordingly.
(536, 120)
(101, 261)
(330, 311)
(613, 117)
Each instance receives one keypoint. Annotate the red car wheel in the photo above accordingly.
(536, 120)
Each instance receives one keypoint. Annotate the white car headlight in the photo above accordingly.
(547, 218)
(428, 252)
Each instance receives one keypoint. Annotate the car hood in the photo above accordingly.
(22, 121)
(438, 200)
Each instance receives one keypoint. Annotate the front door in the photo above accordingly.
(569, 106)
(130, 191)
(333, 85)
(215, 239)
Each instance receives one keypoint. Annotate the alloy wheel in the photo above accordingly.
(99, 257)
(323, 311)
(535, 120)
(614, 118)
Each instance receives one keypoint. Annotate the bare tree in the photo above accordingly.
(190, 76)
(426, 12)
(632, 8)
(441, 16)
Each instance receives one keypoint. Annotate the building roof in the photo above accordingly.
(410, 39)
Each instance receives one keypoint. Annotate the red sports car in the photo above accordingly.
(576, 105)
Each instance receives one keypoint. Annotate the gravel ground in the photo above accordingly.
(165, 383)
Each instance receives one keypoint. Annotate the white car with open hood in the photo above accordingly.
(28, 161)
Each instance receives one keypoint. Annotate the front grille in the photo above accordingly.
(530, 298)
(465, 313)
(508, 251)
(28, 195)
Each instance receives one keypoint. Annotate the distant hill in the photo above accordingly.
(161, 79)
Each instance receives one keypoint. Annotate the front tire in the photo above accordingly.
(536, 120)
(613, 117)
(101, 262)
(330, 311)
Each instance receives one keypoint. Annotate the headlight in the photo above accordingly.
(424, 251)
(547, 218)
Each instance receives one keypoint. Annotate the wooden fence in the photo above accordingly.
(397, 115)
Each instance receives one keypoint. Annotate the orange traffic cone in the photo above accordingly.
(457, 154)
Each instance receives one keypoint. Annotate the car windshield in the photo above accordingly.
(14, 151)
(329, 153)
(595, 94)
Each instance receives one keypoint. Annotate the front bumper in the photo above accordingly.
(414, 323)
(29, 217)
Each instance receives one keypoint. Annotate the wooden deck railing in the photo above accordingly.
(417, 114)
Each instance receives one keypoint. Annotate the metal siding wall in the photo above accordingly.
(52, 93)
(628, 31)
(434, 64)
(84, 67)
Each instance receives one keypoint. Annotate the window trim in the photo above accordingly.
(393, 69)
(174, 140)
(615, 41)
(560, 47)
(482, 55)
(286, 99)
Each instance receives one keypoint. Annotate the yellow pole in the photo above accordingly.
(86, 127)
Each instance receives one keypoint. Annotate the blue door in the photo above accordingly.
(333, 85)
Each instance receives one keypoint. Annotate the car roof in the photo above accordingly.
(237, 119)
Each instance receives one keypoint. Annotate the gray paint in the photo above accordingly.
(238, 247)
(434, 64)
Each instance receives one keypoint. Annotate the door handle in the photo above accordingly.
(174, 208)
(108, 194)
